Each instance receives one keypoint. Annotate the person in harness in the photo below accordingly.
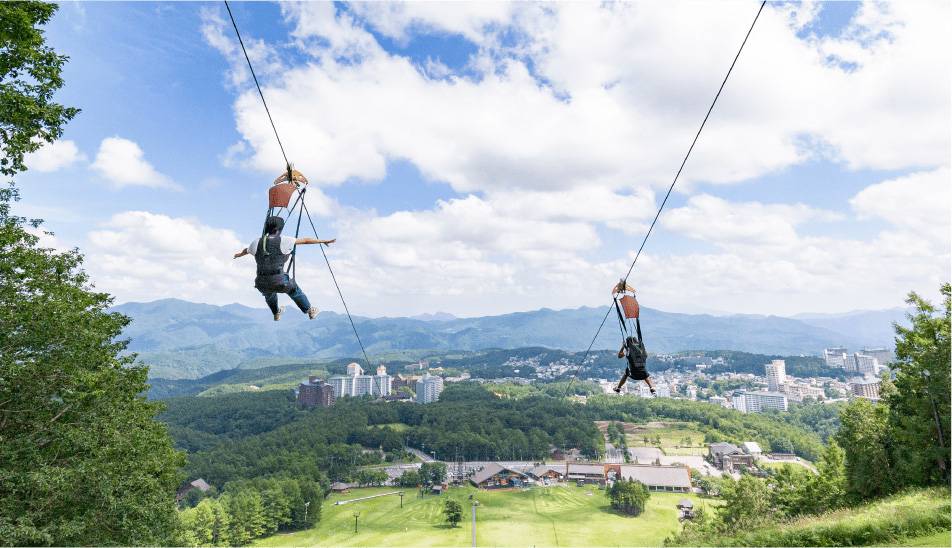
(633, 347)
(271, 253)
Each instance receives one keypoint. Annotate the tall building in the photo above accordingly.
(314, 393)
(776, 372)
(835, 357)
(382, 382)
(883, 355)
(428, 388)
(757, 402)
(356, 383)
(862, 364)
(865, 388)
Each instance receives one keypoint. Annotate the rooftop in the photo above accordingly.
(660, 476)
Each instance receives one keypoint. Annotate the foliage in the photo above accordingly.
(371, 477)
(885, 522)
(410, 478)
(920, 406)
(433, 473)
(30, 75)
(628, 496)
(82, 460)
(453, 511)
(718, 423)
(251, 509)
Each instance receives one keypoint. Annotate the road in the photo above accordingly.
(421, 455)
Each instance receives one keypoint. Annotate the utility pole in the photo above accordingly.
(473, 527)
(401, 499)
(356, 515)
(306, 504)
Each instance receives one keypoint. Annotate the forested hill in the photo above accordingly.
(181, 339)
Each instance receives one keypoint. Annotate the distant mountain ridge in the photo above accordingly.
(181, 339)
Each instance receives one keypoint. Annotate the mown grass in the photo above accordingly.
(553, 516)
(901, 520)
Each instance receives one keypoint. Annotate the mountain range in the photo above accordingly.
(181, 339)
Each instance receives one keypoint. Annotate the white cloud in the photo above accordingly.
(718, 221)
(138, 255)
(920, 201)
(218, 34)
(54, 156)
(123, 163)
(623, 91)
(580, 116)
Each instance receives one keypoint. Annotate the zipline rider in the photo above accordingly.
(271, 252)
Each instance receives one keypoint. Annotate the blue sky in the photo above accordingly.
(486, 158)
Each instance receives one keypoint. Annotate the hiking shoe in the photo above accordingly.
(277, 315)
(312, 312)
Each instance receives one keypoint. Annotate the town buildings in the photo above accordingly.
(428, 388)
(356, 383)
(656, 478)
(758, 402)
(729, 458)
(315, 393)
(835, 357)
(497, 476)
(776, 372)
(865, 388)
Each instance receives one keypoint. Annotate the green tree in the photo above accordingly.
(433, 473)
(453, 511)
(30, 74)
(746, 503)
(628, 497)
(919, 406)
(82, 460)
(864, 437)
(827, 490)
(410, 478)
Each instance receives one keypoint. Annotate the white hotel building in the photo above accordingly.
(355, 383)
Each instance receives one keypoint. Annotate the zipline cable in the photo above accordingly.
(333, 277)
(671, 187)
(300, 194)
(257, 85)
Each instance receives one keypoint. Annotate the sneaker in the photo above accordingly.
(617, 390)
(653, 393)
(277, 315)
(312, 312)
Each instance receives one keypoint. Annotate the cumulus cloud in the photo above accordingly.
(569, 118)
(611, 97)
(138, 255)
(54, 156)
(724, 223)
(123, 163)
(919, 201)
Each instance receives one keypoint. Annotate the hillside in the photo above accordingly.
(188, 340)
(916, 518)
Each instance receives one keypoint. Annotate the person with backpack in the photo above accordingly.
(271, 252)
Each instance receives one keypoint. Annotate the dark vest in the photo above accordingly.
(271, 277)
(272, 262)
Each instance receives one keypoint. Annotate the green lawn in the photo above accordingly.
(943, 539)
(553, 516)
(672, 435)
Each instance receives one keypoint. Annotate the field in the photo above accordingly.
(553, 516)
(673, 436)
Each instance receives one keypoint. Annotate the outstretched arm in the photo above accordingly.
(242, 253)
(307, 241)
